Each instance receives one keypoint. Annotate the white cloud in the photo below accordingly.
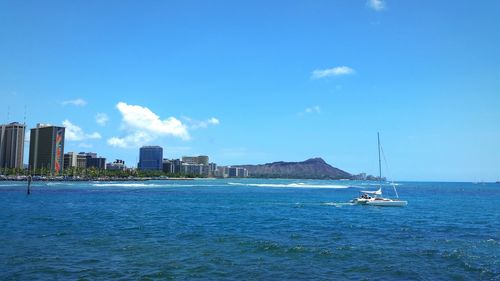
(213, 121)
(117, 142)
(75, 133)
(195, 124)
(134, 139)
(144, 126)
(101, 119)
(76, 102)
(314, 109)
(335, 71)
(377, 5)
(310, 110)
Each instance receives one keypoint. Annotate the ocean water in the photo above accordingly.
(247, 229)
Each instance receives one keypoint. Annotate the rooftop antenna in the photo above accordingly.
(24, 118)
(8, 113)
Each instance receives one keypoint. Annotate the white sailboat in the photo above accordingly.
(374, 198)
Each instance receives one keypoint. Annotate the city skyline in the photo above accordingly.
(47, 157)
(252, 84)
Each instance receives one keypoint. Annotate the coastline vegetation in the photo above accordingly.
(90, 174)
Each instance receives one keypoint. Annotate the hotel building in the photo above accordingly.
(47, 148)
(150, 158)
(12, 145)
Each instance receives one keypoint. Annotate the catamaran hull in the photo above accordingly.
(378, 202)
(359, 201)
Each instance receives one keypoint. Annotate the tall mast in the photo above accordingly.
(379, 162)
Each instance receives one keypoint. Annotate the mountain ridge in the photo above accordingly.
(312, 168)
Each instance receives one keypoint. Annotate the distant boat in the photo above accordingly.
(374, 198)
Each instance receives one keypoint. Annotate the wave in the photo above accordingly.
(294, 185)
(56, 183)
(147, 185)
(384, 183)
(338, 204)
(125, 185)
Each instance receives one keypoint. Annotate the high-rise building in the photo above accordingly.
(235, 172)
(222, 172)
(70, 160)
(177, 163)
(96, 162)
(195, 165)
(150, 158)
(212, 168)
(242, 172)
(47, 148)
(117, 165)
(12, 145)
(168, 166)
(89, 154)
(83, 160)
(191, 169)
(202, 159)
(232, 172)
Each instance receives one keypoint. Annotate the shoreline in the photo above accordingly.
(104, 179)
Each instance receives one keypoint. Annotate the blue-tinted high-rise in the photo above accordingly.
(150, 158)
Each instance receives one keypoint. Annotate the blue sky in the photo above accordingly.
(262, 81)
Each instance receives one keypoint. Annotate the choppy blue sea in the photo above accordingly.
(247, 229)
